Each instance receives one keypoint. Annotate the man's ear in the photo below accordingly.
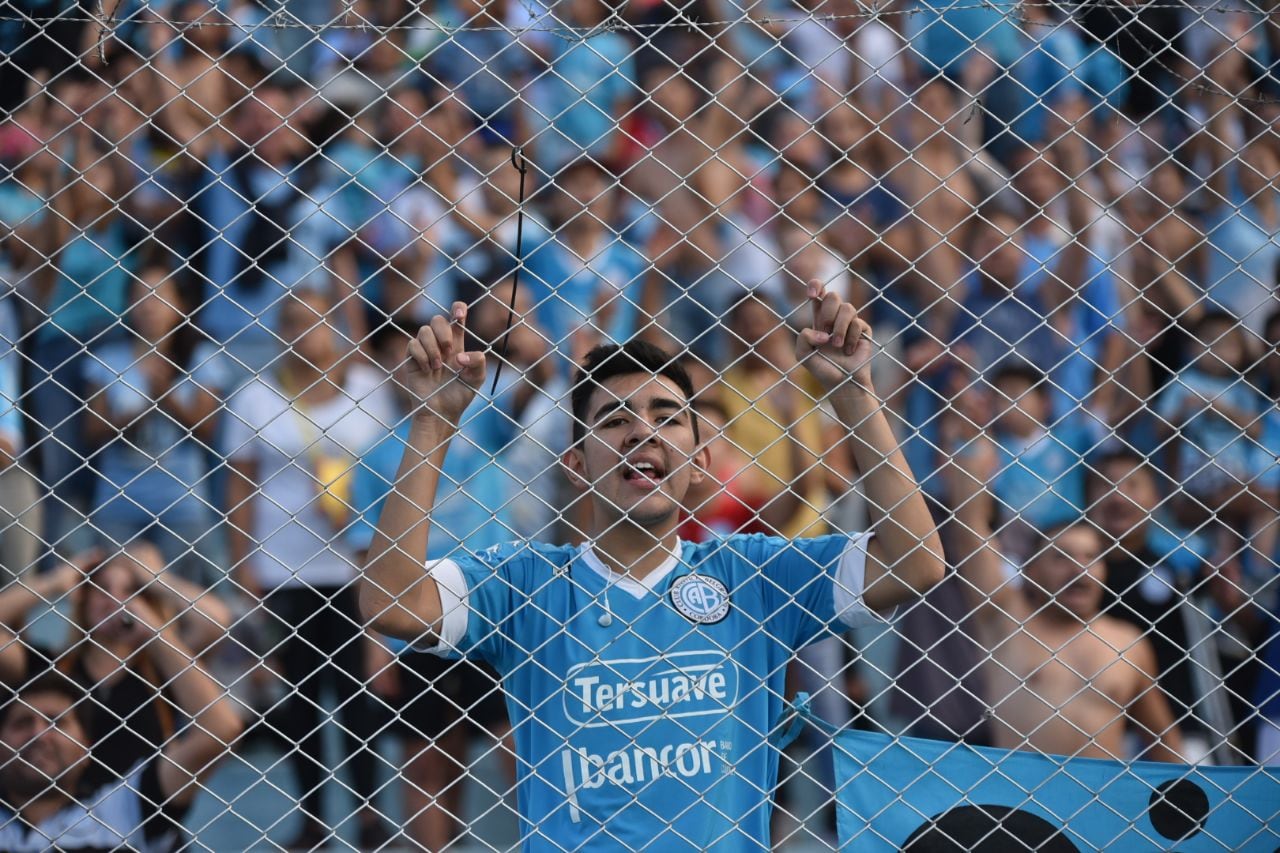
(575, 468)
(701, 467)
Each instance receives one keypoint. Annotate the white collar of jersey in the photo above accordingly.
(626, 583)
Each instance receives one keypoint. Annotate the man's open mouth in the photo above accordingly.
(643, 472)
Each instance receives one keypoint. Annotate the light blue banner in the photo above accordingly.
(923, 795)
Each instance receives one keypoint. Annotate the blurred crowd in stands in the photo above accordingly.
(218, 235)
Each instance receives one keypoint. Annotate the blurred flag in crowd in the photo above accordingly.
(922, 795)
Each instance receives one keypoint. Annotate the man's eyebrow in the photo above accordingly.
(664, 403)
(609, 407)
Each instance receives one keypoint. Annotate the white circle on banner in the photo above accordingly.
(700, 599)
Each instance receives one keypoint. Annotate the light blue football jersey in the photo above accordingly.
(643, 712)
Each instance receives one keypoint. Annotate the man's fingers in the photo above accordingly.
(459, 327)
(816, 290)
(430, 351)
(860, 328)
(826, 312)
(444, 338)
(813, 339)
(472, 368)
(844, 324)
(418, 355)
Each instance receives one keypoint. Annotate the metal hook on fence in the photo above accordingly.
(518, 161)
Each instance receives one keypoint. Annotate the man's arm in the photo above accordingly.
(203, 617)
(905, 556)
(397, 596)
(1065, 280)
(1149, 710)
(241, 493)
(192, 755)
(19, 597)
(994, 599)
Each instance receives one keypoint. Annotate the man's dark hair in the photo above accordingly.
(1097, 464)
(611, 360)
(1098, 485)
(394, 331)
(1042, 540)
(50, 680)
(1018, 369)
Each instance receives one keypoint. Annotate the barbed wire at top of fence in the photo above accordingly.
(280, 19)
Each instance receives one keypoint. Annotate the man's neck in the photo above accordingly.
(633, 550)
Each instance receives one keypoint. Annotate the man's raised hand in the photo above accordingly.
(837, 347)
(442, 376)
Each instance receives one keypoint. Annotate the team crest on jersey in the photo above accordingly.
(700, 599)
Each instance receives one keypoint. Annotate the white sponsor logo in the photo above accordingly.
(700, 599)
(684, 684)
(585, 771)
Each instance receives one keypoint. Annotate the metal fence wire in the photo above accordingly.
(470, 424)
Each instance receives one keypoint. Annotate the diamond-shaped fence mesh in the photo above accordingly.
(468, 424)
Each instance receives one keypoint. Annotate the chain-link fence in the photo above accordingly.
(468, 425)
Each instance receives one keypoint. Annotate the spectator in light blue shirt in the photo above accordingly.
(272, 225)
(1008, 300)
(1040, 479)
(695, 638)
(582, 276)
(1222, 425)
(1043, 74)
(577, 107)
(1242, 239)
(948, 36)
(484, 64)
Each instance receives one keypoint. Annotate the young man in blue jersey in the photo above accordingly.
(644, 675)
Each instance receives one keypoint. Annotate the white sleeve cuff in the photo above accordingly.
(452, 587)
(850, 583)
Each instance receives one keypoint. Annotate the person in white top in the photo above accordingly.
(292, 438)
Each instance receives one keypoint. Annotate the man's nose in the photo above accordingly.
(41, 728)
(641, 431)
